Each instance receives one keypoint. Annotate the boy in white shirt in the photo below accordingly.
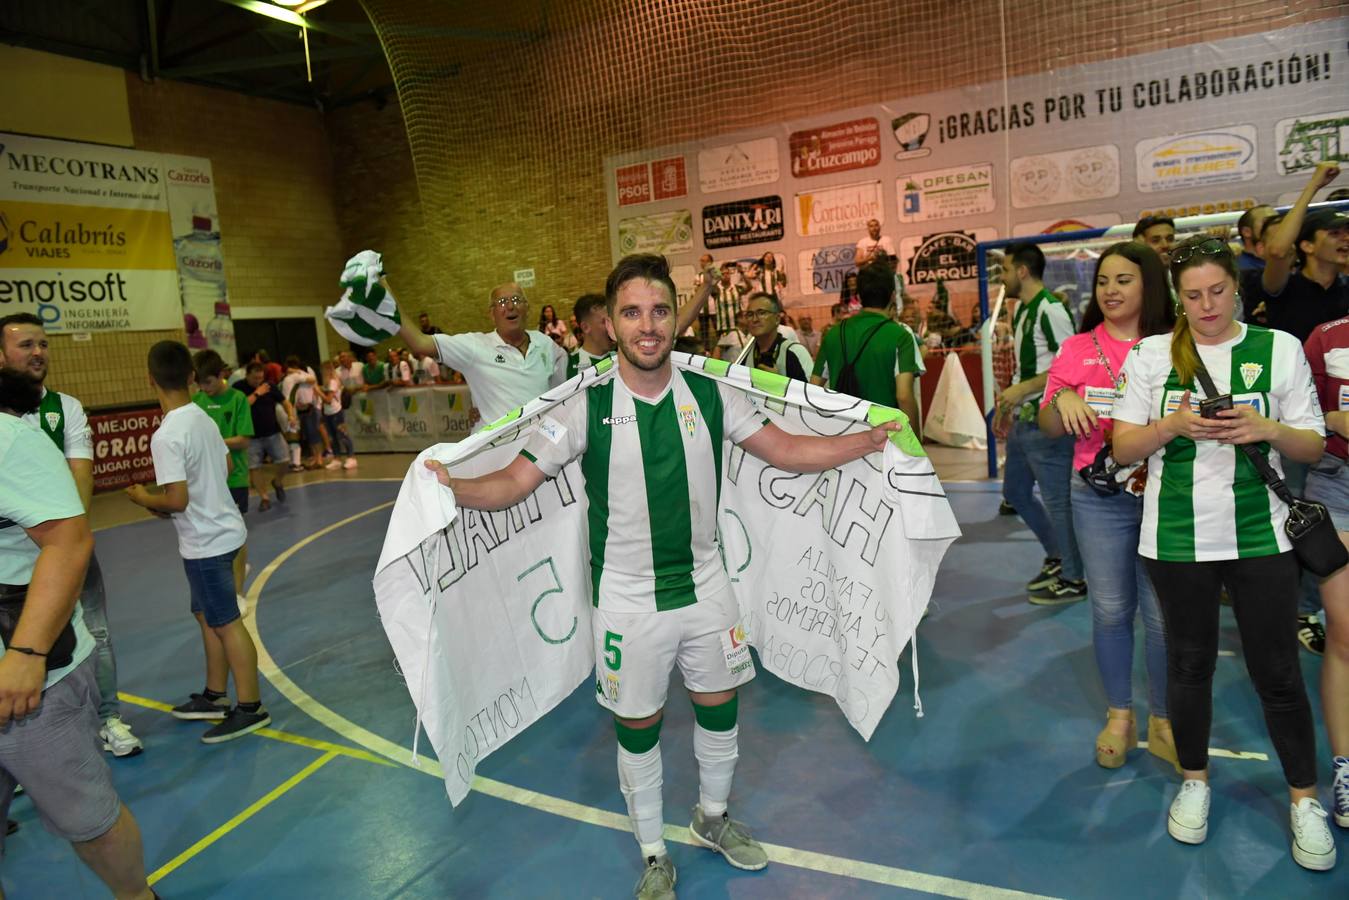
(191, 466)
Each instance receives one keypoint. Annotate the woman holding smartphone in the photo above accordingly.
(1132, 301)
(1210, 522)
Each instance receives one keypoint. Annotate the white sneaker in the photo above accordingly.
(351, 463)
(1313, 847)
(117, 738)
(1188, 820)
(334, 464)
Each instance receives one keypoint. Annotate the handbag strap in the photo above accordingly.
(1255, 456)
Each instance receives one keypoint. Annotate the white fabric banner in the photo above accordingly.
(954, 418)
(489, 613)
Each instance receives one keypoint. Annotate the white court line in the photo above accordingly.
(802, 859)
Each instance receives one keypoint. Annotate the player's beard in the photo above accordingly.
(632, 356)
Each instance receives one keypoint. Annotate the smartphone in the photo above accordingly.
(1208, 409)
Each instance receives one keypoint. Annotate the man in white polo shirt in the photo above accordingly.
(24, 347)
(506, 367)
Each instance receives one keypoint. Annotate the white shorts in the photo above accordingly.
(634, 653)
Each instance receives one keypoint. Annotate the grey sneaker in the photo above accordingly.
(199, 707)
(237, 724)
(1059, 592)
(729, 838)
(1045, 577)
(658, 881)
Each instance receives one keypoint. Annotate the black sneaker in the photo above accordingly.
(1311, 634)
(1048, 572)
(1006, 509)
(237, 724)
(199, 706)
(280, 491)
(1058, 592)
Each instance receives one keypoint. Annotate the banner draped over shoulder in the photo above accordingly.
(489, 612)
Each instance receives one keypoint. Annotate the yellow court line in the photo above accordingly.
(242, 817)
(274, 734)
(803, 859)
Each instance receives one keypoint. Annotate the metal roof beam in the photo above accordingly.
(274, 61)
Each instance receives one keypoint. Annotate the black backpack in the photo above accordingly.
(846, 382)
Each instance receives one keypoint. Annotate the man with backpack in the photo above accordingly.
(870, 355)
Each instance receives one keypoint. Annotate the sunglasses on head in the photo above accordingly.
(1210, 247)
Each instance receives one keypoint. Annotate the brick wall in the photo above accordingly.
(511, 135)
(279, 233)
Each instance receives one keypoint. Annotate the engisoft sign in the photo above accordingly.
(835, 148)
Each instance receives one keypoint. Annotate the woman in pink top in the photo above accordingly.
(1132, 302)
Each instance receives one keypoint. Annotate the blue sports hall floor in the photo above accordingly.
(995, 793)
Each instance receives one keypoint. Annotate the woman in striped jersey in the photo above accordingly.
(1210, 522)
(1132, 301)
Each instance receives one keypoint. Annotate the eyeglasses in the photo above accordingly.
(512, 300)
(756, 314)
(1210, 247)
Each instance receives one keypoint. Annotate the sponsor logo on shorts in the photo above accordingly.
(735, 646)
(607, 687)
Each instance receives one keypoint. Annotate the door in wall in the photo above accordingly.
(280, 338)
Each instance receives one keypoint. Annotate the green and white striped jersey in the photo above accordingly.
(1205, 501)
(652, 470)
(1038, 328)
(580, 359)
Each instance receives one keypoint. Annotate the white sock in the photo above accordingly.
(640, 778)
(294, 454)
(716, 752)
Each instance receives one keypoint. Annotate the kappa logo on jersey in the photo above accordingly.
(689, 416)
(618, 420)
(1250, 372)
(500, 358)
(53, 419)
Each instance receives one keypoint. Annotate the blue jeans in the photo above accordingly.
(1033, 458)
(94, 602)
(1120, 588)
(211, 581)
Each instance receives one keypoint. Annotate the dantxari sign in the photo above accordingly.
(489, 612)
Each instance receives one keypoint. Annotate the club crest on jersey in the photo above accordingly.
(689, 416)
(53, 419)
(1250, 373)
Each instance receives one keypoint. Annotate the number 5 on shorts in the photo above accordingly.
(613, 654)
